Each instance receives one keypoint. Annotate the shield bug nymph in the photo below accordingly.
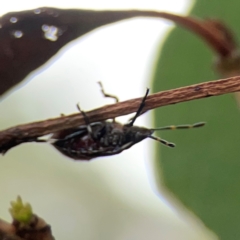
(107, 138)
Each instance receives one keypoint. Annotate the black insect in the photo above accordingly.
(106, 138)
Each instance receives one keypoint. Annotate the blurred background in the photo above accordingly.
(109, 198)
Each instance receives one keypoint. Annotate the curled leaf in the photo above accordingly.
(28, 39)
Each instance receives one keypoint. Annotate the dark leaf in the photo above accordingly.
(29, 38)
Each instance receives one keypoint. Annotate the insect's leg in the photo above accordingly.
(172, 127)
(169, 144)
(108, 95)
(138, 113)
(87, 122)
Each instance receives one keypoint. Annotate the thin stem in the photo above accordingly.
(31, 131)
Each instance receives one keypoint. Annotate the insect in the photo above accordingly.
(107, 138)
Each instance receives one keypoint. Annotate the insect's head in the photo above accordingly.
(138, 134)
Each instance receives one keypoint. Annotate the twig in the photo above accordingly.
(9, 236)
(26, 225)
(31, 131)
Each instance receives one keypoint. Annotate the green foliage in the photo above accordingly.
(21, 212)
(203, 171)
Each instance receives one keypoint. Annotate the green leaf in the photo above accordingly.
(203, 170)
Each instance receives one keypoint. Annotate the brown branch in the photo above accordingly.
(30, 132)
(9, 236)
(25, 224)
(36, 229)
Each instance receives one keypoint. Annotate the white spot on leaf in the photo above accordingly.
(17, 34)
(37, 11)
(51, 33)
(13, 20)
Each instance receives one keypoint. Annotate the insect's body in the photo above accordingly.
(107, 138)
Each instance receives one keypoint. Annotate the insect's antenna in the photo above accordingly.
(173, 127)
(169, 144)
(86, 119)
(138, 113)
(106, 94)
